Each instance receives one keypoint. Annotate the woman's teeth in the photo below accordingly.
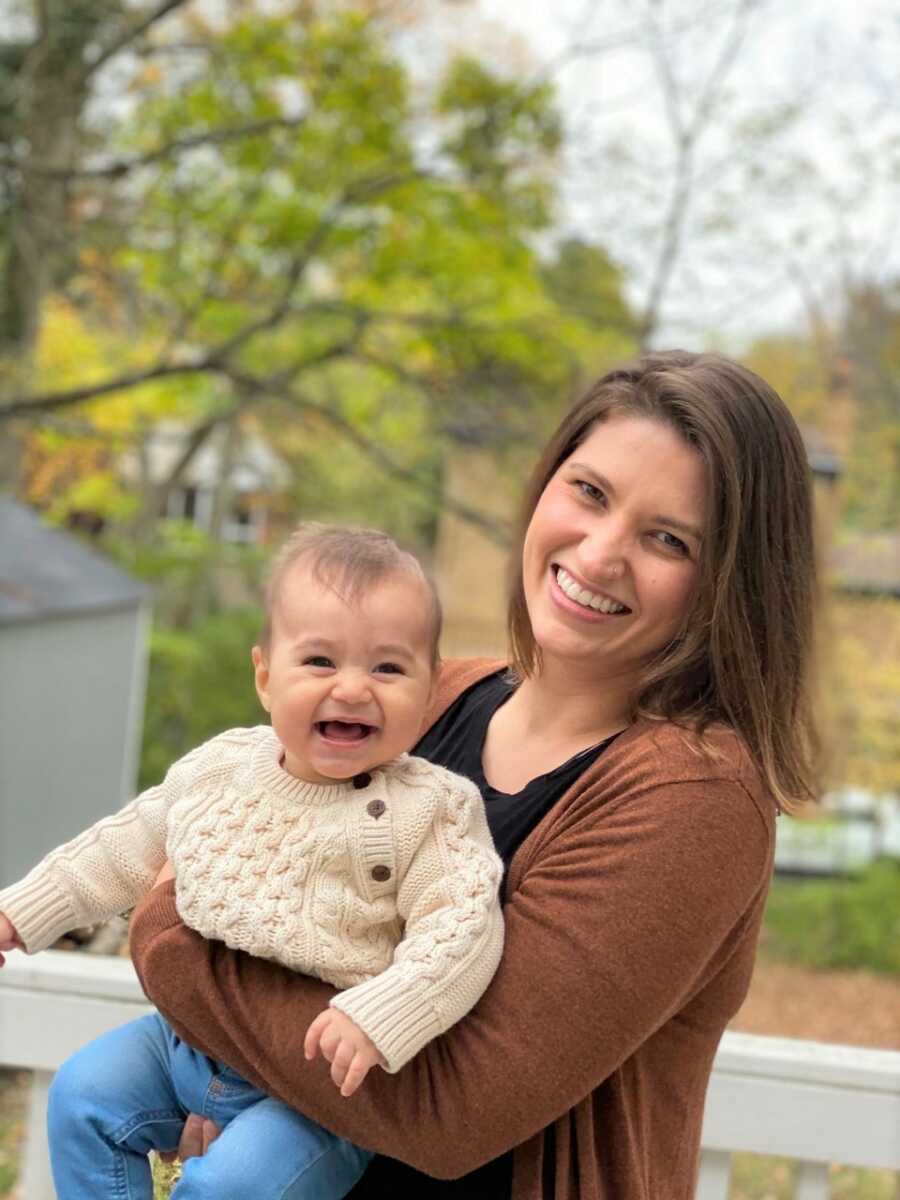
(582, 596)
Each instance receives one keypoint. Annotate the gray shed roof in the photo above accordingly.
(45, 572)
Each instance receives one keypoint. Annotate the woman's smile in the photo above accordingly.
(573, 595)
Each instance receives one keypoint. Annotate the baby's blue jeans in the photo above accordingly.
(129, 1092)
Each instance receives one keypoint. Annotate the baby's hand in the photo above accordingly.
(9, 939)
(351, 1053)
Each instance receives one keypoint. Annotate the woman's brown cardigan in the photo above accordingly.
(632, 916)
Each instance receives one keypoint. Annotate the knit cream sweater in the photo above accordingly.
(387, 890)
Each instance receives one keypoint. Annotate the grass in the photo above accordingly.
(754, 1177)
(164, 1179)
(13, 1095)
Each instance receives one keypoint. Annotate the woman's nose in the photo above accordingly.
(602, 556)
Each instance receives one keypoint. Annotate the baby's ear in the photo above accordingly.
(261, 675)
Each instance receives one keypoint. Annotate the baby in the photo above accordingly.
(317, 842)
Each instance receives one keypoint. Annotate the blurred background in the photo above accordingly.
(261, 261)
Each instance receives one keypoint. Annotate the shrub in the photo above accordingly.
(200, 682)
(837, 923)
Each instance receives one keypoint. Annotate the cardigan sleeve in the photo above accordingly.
(621, 917)
(99, 873)
(453, 934)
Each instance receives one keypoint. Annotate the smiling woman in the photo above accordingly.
(714, 513)
(606, 579)
(632, 756)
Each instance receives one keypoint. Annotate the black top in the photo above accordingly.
(456, 741)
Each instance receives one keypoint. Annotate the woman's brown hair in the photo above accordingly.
(744, 655)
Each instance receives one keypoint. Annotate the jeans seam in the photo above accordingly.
(308, 1166)
(305, 1169)
(147, 1117)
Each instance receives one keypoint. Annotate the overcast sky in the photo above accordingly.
(767, 232)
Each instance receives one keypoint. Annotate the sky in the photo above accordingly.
(784, 213)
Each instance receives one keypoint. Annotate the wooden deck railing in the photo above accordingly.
(818, 1104)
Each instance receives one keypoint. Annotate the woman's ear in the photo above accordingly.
(261, 675)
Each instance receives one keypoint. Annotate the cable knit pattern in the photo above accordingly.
(388, 890)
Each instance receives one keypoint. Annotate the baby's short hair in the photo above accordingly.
(350, 559)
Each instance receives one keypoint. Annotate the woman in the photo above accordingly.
(656, 718)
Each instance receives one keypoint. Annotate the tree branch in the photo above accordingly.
(686, 133)
(494, 529)
(212, 363)
(25, 406)
(362, 190)
(122, 166)
(132, 33)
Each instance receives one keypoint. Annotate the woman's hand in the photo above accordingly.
(165, 874)
(342, 1043)
(197, 1135)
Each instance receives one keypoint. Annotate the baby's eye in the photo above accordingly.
(671, 542)
(317, 660)
(389, 668)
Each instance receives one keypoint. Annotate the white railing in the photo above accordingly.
(49, 1006)
(815, 1103)
(818, 1104)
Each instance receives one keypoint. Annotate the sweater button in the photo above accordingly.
(375, 808)
(362, 780)
(381, 874)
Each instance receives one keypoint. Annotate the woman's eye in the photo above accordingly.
(317, 660)
(389, 668)
(590, 490)
(671, 542)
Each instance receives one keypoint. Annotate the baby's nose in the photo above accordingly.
(352, 687)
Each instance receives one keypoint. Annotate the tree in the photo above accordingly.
(266, 238)
(48, 63)
(666, 147)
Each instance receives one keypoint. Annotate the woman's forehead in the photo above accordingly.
(646, 457)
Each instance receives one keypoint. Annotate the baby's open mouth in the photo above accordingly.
(344, 731)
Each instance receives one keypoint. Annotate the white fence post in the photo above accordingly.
(50, 1005)
(811, 1182)
(37, 1181)
(715, 1173)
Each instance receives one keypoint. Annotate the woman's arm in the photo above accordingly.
(622, 917)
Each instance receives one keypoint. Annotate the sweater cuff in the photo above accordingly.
(400, 1021)
(40, 912)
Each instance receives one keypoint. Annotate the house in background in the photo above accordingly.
(73, 649)
(231, 488)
